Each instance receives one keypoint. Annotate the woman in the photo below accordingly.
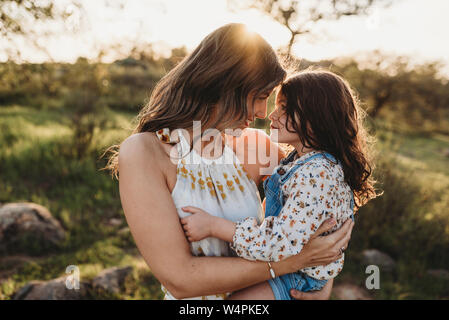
(224, 83)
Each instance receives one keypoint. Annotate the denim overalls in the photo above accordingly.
(273, 204)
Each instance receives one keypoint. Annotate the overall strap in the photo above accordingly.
(324, 155)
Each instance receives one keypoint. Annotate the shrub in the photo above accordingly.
(398, 221)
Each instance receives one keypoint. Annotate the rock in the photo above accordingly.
(439, 273)
(111, 280)
(380, 259)
(25, 225)
(347, 291)
(55, 289)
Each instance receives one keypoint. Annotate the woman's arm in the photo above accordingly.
(154, 224)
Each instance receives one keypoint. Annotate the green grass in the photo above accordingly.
(36, 164)
(409, 222)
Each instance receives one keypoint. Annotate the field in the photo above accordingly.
(409, 221)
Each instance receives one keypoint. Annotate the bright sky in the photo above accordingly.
(416, 28)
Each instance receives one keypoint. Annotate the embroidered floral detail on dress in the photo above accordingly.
(164, 135)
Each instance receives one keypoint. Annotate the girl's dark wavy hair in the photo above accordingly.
(323, 110)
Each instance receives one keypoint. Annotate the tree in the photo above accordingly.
(85, 109)
(379, 80)
(395, 89)
(299, 16)
(20, 19)
(11, 12)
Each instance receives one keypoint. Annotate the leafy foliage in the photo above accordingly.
(57, 119)
(300, 16)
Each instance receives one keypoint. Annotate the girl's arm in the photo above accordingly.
(154, 224)
(312, 198)
(314, 195)
(201, 225)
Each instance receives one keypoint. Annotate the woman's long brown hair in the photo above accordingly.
(324, 111)
(210, 85)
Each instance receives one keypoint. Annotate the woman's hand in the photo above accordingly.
(198, 225)
(322, 250)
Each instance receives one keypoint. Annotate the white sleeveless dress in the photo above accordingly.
(219, 186)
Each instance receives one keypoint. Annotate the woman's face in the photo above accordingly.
(258, 109)
(278, 126)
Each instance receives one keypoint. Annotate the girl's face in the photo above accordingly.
(278, 127)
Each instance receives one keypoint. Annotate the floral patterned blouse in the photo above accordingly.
(315, 192)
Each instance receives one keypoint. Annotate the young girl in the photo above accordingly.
(328, 175)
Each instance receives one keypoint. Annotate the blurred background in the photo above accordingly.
(74, 74)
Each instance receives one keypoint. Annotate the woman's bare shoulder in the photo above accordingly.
(143, 146)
